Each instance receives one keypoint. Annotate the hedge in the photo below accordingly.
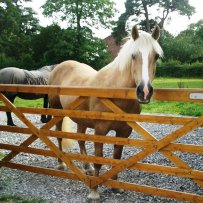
(173, 69)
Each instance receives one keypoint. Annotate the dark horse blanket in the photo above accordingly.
(12, 75)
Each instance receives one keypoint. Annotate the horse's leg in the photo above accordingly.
(61, 164)
(117, 153)
(99, 130)
(44, 119)
(8, 114)
(87, 166)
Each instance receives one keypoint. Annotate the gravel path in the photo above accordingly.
(57, 190)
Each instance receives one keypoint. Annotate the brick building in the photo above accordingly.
(112, 46)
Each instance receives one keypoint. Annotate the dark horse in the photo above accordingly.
(12, 75)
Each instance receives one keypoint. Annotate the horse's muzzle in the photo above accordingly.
(144, 94)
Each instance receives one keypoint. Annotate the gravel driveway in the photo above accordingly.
(57, 190)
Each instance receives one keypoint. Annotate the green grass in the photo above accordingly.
(29, 103)
(1, 155)
(16, 199)
(181, 108)
(173, 83)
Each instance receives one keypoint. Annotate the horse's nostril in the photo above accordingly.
(144, 93)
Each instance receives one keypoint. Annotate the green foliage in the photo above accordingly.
(187, 47)
(119, 31)
(81, 16)
(176, 69)
(139, 12)
(51, 45)
(17, 26)
(26, 45)
(54, 45)
(89, 12)
(6, 61)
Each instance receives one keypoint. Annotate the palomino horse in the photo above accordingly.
(12, 75)
(134, 67)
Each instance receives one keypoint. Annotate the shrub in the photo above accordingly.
(176, 69)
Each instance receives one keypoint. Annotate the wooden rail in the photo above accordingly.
(148, 145)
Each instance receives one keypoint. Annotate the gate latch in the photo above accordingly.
(196, 96)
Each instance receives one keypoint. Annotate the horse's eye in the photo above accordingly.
(156, 56)
(133, 56)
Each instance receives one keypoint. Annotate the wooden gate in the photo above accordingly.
(148, 145)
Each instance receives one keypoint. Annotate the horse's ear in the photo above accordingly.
(135, 33)
(156, 32)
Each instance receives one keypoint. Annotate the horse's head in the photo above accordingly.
(145, 52)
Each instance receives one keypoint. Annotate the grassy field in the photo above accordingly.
(177, 82)
(16, 199)
(180, 108)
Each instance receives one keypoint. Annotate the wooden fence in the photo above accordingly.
(148, 145)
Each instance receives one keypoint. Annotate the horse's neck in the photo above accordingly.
(112, 76)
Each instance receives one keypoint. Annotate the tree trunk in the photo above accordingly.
(78, 37)
(146, 16)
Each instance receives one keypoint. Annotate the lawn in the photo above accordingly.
(177, 82)
(180, 108)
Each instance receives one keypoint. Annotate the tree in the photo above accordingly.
(17, 25)
(167, 7)
(142, 12)
(54, 45)
(88, 13)
(190, 42)
(119, 31)
(187, 47)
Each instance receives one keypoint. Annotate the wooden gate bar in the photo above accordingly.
(189, 148)
(106, 115)
(149, 145)
(111, 183)
(144, 153)
(173, 158)
(29, 140)
(181, 94)
(75, 91)
(175, 171)
(52, 146)
(12, 154)
(40, 170)
(155, 191)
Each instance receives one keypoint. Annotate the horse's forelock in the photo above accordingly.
(145, 42)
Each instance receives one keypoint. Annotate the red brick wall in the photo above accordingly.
(112, 46)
